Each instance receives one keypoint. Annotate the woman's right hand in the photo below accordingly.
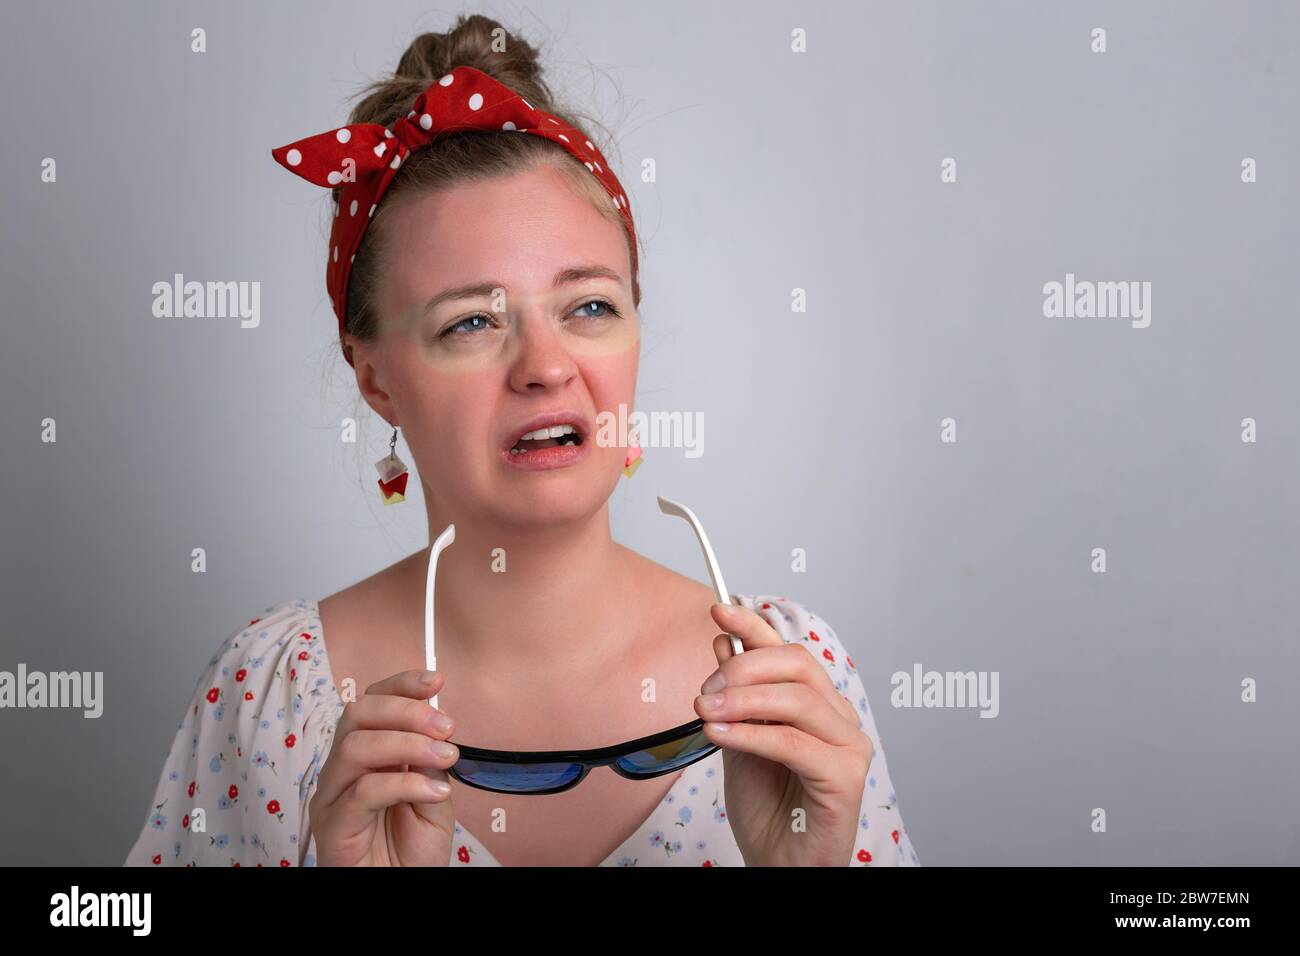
(375, 802)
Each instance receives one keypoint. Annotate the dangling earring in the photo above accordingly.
(392, 474)
(633, 460)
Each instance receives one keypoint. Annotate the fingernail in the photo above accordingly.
(439, 721)
(441, 749)
(427, 677)
(718, 728)
(715, 683)
(727, 609)
(712, 703)
(439, 788)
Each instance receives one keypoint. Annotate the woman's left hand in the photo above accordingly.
(793, 786)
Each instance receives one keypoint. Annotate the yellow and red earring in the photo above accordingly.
(392, 474)
(633, 460)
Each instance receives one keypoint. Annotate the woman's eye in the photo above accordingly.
(480, 318)
(608, 307)
(591, 309)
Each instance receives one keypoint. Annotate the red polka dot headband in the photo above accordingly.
(364, 158)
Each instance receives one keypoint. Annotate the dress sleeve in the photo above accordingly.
(882, 838)
(235, 784)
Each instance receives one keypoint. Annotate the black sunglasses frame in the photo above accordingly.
(588, 759)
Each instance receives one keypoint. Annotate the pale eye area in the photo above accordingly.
(591, 315)
(594, 314)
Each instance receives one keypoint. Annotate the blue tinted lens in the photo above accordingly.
(517, 777)
(669, 756)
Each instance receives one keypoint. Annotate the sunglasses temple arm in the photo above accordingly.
(670, 507)
(430, 657)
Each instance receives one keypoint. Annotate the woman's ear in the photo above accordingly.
(369, 379)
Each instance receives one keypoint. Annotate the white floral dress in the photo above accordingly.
(236, 784)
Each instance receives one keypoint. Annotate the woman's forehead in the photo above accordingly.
(517, 212)
(518, 232)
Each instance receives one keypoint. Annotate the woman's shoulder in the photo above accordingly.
(249, 744)
(277, 630)
(793, 620)
(797, 623)
(277, 655)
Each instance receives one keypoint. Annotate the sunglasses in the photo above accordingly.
(553, 771)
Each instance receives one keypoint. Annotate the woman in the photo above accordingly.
(486, 287)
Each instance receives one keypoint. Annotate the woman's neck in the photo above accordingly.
(541, 603)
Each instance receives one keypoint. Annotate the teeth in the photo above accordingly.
(554, 431)
(551, 431)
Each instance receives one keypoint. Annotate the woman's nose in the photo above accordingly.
(543, 360)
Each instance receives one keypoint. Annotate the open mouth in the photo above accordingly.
(547, 438)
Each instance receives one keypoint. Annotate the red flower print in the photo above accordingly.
(193, 784)
(233, 792)
(766, 606)
(293, 673)
(240, 675)
(285, 863)
(849, 660)
(185, 822)
(273, 807)
(157, 859)
(290, 741)
(248, 695)
(305, 636)
(864, 856)
(895, 836)
(707, 863)
(812, 636)
(303, 655)
(253, 621)
(462, 854)
(213, 695)
(826, 653)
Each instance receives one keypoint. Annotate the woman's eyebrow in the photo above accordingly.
(483, 289)
(578, 273)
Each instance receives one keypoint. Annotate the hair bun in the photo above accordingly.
(476, 41)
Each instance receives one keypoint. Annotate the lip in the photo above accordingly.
(564, 416)
(544, 459)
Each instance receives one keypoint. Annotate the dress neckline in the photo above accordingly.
(313, 608)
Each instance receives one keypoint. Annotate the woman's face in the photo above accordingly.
(502, 301)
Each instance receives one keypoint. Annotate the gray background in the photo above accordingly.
(776, 171)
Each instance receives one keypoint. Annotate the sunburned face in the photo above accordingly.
(503, 301)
